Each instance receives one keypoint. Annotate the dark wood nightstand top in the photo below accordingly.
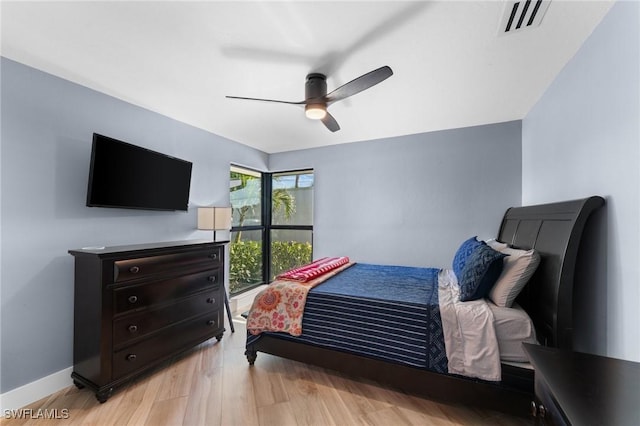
(589, 389)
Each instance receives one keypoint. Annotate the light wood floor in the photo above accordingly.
(214, 385)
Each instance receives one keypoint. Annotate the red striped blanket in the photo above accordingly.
(314, 269)
(280, 306)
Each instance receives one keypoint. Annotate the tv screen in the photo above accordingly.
(128, 176)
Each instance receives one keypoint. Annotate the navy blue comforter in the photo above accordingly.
(384, 312)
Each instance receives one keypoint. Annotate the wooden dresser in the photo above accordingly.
(573, 388)
(137, 306)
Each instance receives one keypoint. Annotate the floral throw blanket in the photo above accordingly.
(280, 306)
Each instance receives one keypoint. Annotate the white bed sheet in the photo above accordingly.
(513, 327)
(468, 328)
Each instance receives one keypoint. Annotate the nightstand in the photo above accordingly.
(573, 388)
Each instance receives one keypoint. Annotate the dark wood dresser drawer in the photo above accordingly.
(143, 267)
(150, 293)
(137, 325)
(165, 344)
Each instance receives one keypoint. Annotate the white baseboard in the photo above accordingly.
(34, 391)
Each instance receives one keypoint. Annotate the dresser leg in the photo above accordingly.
(103, 396)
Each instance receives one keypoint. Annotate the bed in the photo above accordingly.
(553, 230)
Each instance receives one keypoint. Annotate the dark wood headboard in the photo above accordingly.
(554, 230)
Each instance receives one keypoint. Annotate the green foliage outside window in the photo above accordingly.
(288, 254)
(246, 267)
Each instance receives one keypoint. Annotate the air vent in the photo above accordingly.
(521, 15)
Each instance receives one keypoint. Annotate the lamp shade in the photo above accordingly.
(214, 218)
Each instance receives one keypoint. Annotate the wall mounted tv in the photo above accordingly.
(127, 176)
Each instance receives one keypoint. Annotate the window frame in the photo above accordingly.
(266, 226)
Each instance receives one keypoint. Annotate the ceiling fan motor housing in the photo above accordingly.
(315, 89)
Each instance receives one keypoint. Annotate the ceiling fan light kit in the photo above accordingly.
(315, 111)
(317, 100)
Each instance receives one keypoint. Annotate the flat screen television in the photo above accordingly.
(123, 175)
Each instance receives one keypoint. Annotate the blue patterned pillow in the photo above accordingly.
(463, 253)
(480, 272)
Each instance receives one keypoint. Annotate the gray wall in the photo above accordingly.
(411, 200)
(47, 126)
(583, 138)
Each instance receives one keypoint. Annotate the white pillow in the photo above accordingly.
(496, 245)
(517, 268)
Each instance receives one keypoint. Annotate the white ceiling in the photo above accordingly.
(180, 59)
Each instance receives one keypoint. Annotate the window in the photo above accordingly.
(272, 225)
(291, 230)
(247, 232)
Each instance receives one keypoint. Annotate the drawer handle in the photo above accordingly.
(133, 328)
(133, 299)
(134, 269)
(211, 300)
(213, 256)
(211, 322)
(542, 411)
(131, 357)
(212, 278)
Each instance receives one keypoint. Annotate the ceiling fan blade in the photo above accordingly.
(331, 122)
(359, 84)
(265, 100)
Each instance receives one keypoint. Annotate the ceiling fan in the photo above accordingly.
(317, 100)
